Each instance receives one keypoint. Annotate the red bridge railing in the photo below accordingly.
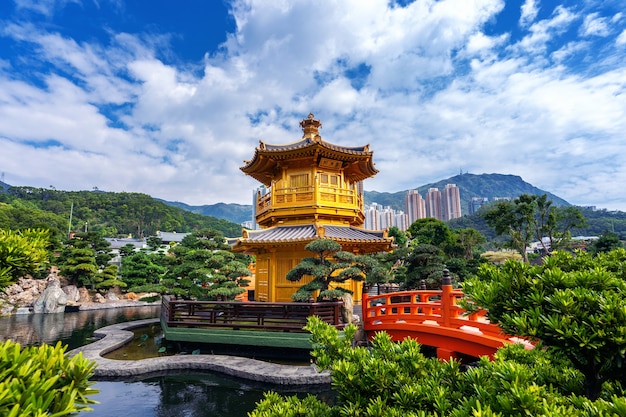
(434, 318)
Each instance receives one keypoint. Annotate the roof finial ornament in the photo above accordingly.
(310, 127)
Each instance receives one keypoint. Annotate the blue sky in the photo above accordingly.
(169, 98)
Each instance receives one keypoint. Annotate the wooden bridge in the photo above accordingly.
(433, 318)
(277, 325)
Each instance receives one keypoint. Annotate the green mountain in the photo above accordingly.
(490, 186)
(141, 215)
(111, 214)
(237, 213)
(470, 185)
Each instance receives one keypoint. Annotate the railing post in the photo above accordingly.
(165, 308)
(446, 298)
(365, 304)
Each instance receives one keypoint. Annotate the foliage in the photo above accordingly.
(573, 304)
(332, 266)
(22, 252)
(127, 249)
(399, 236)
(109, 214)
(107, 278)
(433, 247)
(100, 246)
(533, 217)
(396, 379)
(199, 267)
(150, 299)
(18, 214)
(143, 271)
(82, 257)
(424, 263)
(43, 381)
(154, 242)
(606, 242)
(272, 405)
(432, 232)
(468, 239)
(599, 221)
(202, 267)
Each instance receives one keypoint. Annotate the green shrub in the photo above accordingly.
(390, 379)
(43, 381)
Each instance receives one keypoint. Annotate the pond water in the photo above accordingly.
(73, 329)
(182, 394)
(189, 395)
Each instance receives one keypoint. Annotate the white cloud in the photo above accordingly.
(568, 50)
(529, 12)
(593, 25)
(543, 31)
(438, 93)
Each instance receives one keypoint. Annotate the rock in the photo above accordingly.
(111, 295)
(98, 298)
(52, 300)
(132, 296)
(83, 295)
(23, 293)
(347, 310)
(73, 295)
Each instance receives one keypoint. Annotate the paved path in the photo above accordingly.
(117, 335)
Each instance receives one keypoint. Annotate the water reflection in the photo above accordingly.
(190, 395)
(74, 329)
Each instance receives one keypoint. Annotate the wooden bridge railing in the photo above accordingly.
(290, 317)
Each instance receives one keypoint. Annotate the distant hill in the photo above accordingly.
(112, 214)
(236, 213)
(121, 213)
(470, 185)
(4, 187)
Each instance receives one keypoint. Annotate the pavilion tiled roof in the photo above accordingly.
(308, 142)
(303, 233)
(281, 234)
(357, 161)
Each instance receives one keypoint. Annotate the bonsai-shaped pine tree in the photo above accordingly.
(202, 268)
(331, 265)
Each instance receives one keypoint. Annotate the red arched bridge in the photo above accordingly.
(433, 318)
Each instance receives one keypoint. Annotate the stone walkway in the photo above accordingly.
(117, 335)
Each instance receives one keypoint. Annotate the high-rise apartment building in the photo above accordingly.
(372, 220)
(378, 217)
(433, 204)
(414, 206)
(451, 202)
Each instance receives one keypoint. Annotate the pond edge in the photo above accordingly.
(117, 335)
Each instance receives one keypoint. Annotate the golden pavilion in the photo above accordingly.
(312, 189)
